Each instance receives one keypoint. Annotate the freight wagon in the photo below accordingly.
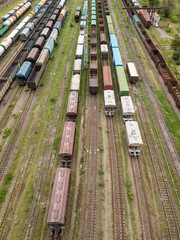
(67, 143)
(109, 103)
(133, 138)
(72, 107)
(58, 204)
(132, 72)
(75, 82)
(24, 72)
(122, 82)
(35, 77)
(127, 108)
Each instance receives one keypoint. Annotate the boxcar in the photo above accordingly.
(33, 55)
(103, 38)
(79, 51)
(24, 72)
(80, 39)
(72, 107)
(93, 84)
(104, 51)
(77, 16)
(49, 44)
(75, 82)
(67, 143)
(117, 57)
(122, 81)
(45, 33)
(93, 66)
(133, 138)
(77, 66)
(113, 41)
(107, 78)
(132, 72)
(57, 26)
(25, 34)
(111, 28)
(59, 198)
(109, 103)
(127, 108)
(54, 34)
(50, 24)
(43, 58)
(40, 43)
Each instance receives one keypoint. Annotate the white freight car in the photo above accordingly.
(109, 102)
(132, 72)
(127, 108)
(133, 138)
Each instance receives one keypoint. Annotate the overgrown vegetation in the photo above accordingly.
(7, 132)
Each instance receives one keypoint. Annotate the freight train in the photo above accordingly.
(166, 74)
(59, 198)
(133, 134)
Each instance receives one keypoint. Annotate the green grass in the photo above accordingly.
(7, 132)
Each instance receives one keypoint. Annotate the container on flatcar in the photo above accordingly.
(133, 138)
(58, 204)
(127, 108)
(67, 143)
(77, 66)
(122, 81)
(75, 82)
(33, 55)
(72, 107)
(107, 78)
(132, 72)
(109, 103)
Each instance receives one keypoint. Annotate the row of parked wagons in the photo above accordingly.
(12, 37)
(132, 129)
(7, 77)
(168, 77)
(32, 69)
(14, 15)
(59, 198)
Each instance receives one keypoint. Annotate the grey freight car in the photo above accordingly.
(57, 209)
(133, 138)
(127, 108)
(109, 102)
(72, 107)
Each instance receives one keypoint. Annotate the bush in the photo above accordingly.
(8, 178)
(174, 19)
(7, 132)
(176, 55)
(3, 192)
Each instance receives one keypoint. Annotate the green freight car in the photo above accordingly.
(122, 81)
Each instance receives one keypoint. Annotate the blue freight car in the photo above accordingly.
(24, 72)
(117, 57)
(49, 44)
(57, 26)
(113, 41)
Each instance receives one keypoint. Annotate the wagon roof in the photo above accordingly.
(133, 133)
(57, 208)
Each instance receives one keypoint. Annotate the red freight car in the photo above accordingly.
(166, 73)
(33, 55)
(157, 57)
(107, 79)
(59, 198)
(145, 18)
(50, 24)
(40, 43)
(77, 16)
(53, 17)
(72, 107)
(149, 45)
(67, 143)
(103, 38)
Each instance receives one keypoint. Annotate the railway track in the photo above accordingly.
(62, 88)
(161, 178)
(119, 216)
(91, 182)
(42, 177)
(168, 208)
(6, 116)
(15, 134)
